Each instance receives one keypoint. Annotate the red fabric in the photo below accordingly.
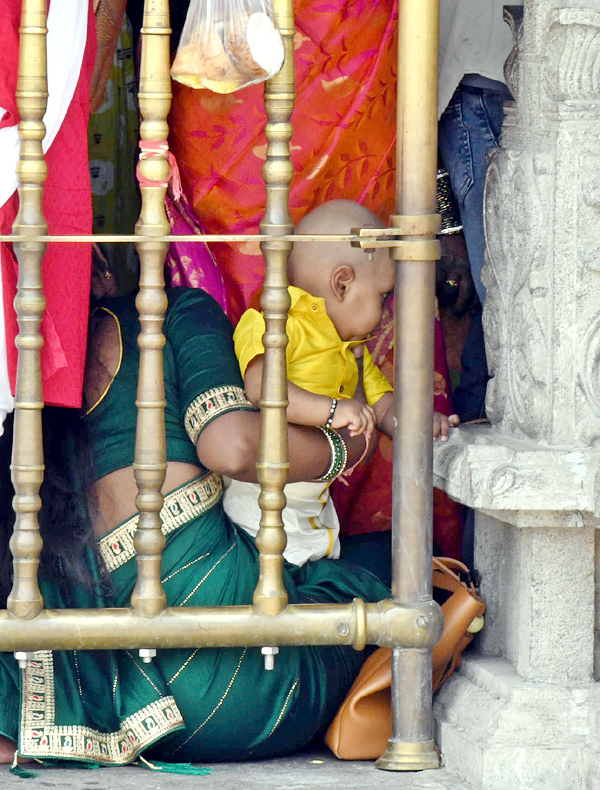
(67, 205)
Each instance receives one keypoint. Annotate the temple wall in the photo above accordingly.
(523, 712)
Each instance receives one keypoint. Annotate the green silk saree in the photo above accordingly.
(108, 706)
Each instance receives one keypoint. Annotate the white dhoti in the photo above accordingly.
(309, 517)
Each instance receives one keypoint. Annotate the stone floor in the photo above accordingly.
(301, 772)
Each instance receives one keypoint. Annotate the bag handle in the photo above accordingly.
(448, 566)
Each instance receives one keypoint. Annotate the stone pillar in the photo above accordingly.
(524, 711)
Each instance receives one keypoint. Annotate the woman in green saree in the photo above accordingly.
(187, 705)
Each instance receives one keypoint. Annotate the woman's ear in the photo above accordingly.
(342, 278)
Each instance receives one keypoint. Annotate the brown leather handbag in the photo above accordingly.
(363, 724)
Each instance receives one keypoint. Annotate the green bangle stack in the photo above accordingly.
(339, 454)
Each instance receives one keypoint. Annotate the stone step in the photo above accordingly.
(305, 771)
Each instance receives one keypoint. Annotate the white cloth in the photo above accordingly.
(474, 39)
(311, 523)
(67, 22)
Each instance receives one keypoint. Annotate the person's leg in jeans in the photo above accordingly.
(471, 125)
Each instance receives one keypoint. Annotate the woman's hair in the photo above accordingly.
(64, 517)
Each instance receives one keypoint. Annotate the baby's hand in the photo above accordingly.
(358, 417)
(442, 425)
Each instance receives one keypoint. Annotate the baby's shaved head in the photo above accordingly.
(309, 261)
(338, 216)
(353, 284)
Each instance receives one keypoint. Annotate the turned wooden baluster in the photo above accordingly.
(270, 595)
(25, 599)
(148, 597)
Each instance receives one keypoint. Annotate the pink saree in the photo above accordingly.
(343, 146)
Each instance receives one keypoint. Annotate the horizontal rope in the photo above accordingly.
(226, 237)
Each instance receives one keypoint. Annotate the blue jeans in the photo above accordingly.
(469, 126)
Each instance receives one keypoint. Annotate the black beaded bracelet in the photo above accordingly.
(334, 403)
(339, 454)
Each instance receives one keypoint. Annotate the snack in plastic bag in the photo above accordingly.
(228, 44)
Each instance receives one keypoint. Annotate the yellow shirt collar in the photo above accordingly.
(304, 301)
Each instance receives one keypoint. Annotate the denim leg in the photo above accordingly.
(469, 396)
(470, 125)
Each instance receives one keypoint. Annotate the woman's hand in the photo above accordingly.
(442, 425)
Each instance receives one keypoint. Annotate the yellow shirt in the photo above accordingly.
(318, 360)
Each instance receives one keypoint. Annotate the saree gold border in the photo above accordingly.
(150, 461)
(41, 737)
(270, 596)
(411, 746)
(119, 363)
(190, 501)
(25, 599)
(211, 404)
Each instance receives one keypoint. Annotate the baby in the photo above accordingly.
(337, 299)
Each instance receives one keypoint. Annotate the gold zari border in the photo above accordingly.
(211, 404)
(185, 503)
(41, 737)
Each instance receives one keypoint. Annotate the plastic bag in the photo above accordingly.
(228, 44)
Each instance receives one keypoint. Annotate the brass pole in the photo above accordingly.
(411, 746)
(150, 464)
(25, 600)
(270, 596)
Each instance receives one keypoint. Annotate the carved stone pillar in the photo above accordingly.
(523, 713)
(542, 312)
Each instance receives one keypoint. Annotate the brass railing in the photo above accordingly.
(410, 622)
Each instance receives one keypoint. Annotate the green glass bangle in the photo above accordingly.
(339, 454)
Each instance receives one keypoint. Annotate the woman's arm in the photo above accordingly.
(214, 409)
(229, 445)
